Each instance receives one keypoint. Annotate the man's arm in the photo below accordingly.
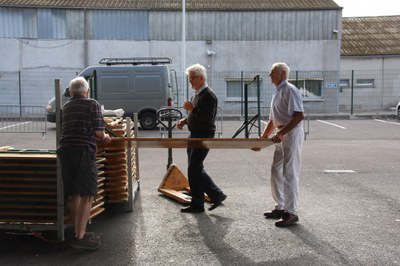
(268, 130)
(296, 119)
(101, 135)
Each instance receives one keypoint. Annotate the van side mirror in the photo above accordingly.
(66, 93)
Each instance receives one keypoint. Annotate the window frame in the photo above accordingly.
(303, 89)
(251, 98)
(365, 85)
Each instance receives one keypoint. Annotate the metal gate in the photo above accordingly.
(23, 119)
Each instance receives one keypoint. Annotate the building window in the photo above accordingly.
(344, 83)
(310, 87)
(365, 83)
(234, 89)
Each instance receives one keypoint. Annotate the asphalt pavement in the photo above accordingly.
(349, 207)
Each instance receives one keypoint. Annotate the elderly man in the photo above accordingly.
(286, 125)
(201, 123)
(82, 124)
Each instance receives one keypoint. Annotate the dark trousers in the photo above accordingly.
(199, 181)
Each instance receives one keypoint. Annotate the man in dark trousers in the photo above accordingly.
(82, 124)
(201, 123)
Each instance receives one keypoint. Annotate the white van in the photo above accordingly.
(136, 85)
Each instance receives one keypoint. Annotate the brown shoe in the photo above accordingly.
(274, 214)
(287, 220)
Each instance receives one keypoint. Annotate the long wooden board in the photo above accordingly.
(199, 143)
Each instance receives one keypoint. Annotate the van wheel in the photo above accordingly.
(398, 113)
(148, 121)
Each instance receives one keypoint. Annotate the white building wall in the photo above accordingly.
(383, 95)
(229, 55)
(370, 63)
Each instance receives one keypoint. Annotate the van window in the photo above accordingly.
(114, 84)
(148, 84)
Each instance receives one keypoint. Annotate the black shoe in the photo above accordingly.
(192, 209)
(218, 202)
(287, 220)
(274, 214)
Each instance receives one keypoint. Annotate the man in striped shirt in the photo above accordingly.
(82, 124)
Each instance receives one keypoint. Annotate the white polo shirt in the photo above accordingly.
(286, 100)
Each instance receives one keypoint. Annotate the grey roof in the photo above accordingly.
(177, 4)
(365, 36)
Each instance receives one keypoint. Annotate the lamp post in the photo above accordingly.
(183, 45)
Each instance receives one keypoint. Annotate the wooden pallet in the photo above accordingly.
(28, 188)
(116, 164)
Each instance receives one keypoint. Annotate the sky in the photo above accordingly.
(366, 8)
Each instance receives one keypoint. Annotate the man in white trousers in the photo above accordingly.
(286, 127)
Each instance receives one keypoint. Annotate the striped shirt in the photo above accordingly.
(81, 117)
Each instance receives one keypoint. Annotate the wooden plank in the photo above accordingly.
(37, 220)
(25, 186)
(28, 172)
(26, 213)
(29, 193)
(200, 143)
(96, 212)
(25, 164)
(50, 179)
(30, 200)
(28, 206)
(5, 148)
(27, 156)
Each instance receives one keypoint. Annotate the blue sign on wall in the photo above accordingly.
(331, 85)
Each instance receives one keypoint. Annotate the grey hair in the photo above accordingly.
(78, 86)
(281, 68)
(197, 70)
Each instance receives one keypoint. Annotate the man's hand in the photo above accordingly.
(106, 139)
(188, 106)
(278, 137)
(181, 123)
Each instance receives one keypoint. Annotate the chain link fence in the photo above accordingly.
(31, 87)
(24, 98)
(324, 92)
(23, 119)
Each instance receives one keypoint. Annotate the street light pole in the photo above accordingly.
(183, 45)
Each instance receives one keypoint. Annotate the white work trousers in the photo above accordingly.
(285, 171)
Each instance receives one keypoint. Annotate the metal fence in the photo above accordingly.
(324, 92)
(368, 91)
(31, 87)
(23, 119)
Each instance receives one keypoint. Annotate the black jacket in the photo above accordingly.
(202, 118)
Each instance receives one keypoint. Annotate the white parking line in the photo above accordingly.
(339, 171)
(322, 121)
(388, 122)
(15, 125)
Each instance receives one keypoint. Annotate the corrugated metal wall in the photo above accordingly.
(166, 25)
(11, 23)
(249, 26)
(119, 25)
(70, 24)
